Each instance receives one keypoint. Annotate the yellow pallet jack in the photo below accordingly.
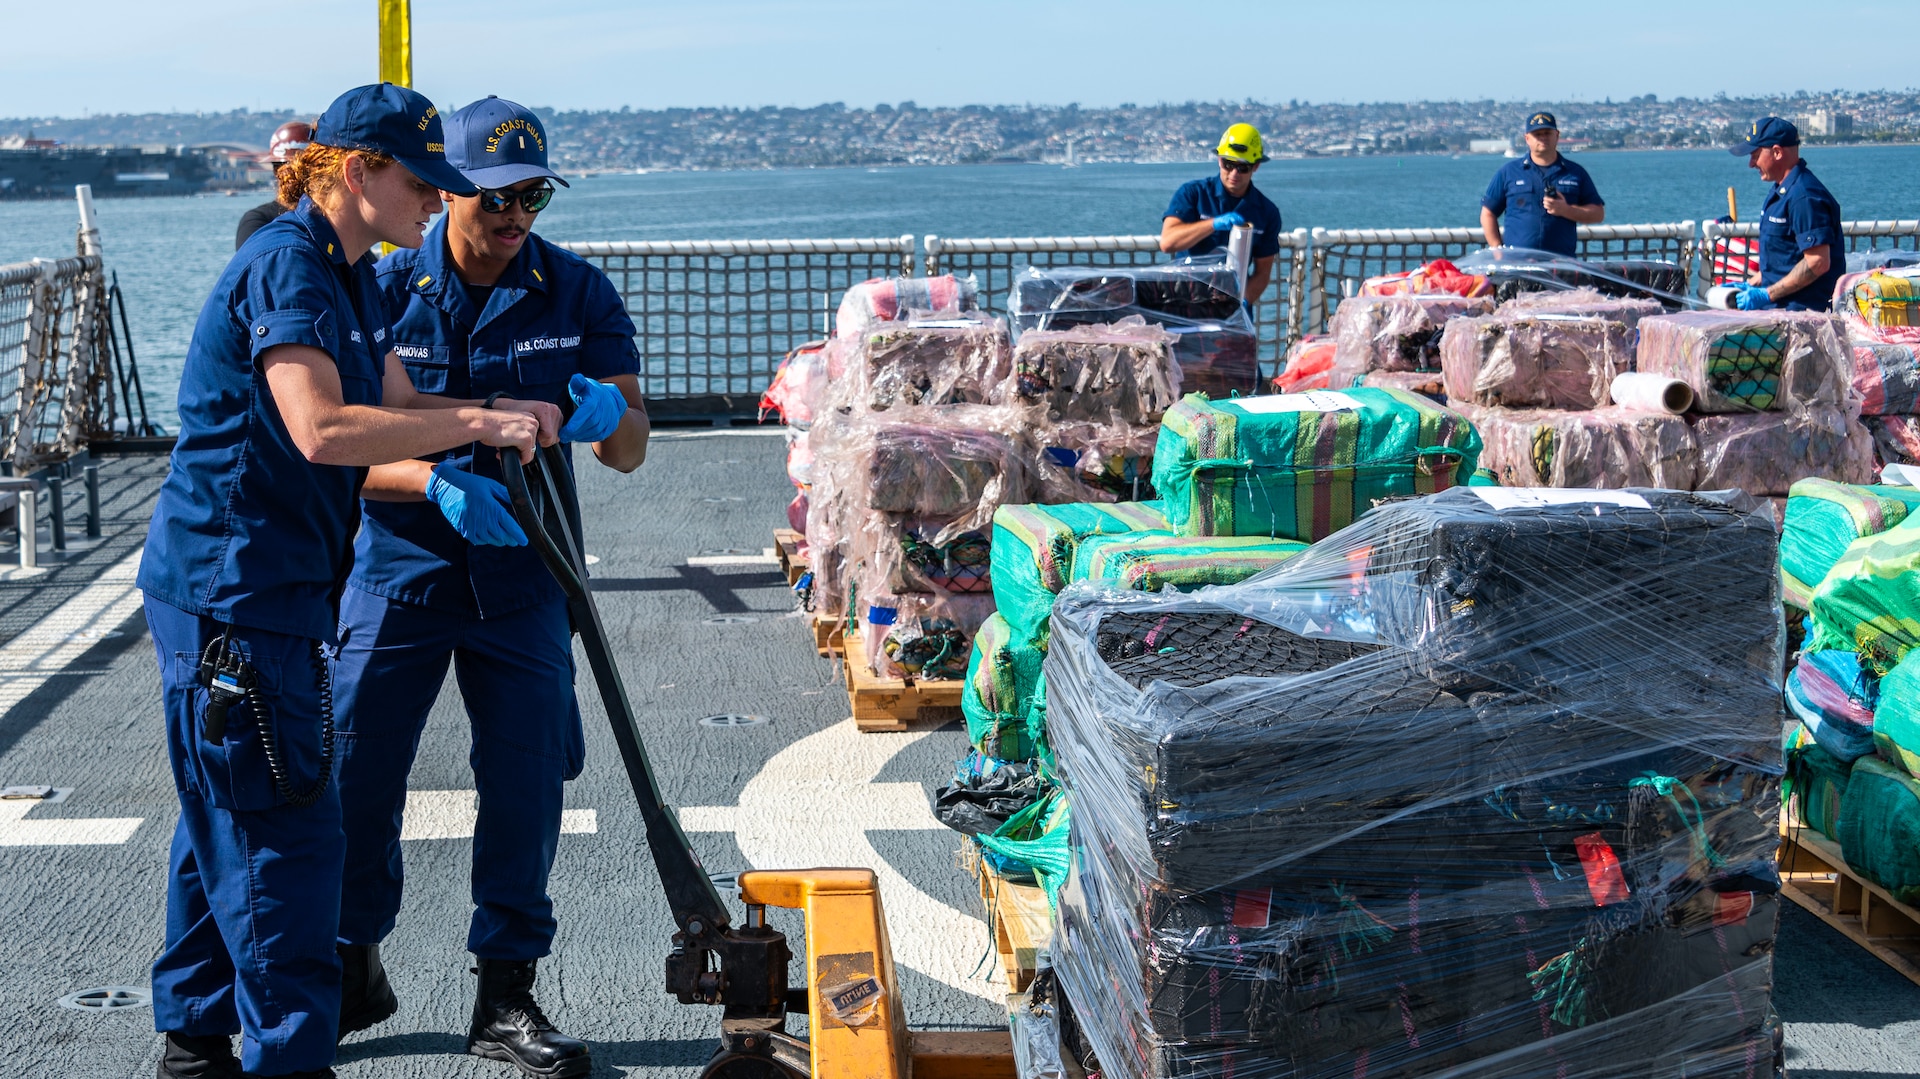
(856, 1026)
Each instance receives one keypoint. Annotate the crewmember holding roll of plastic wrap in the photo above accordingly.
(1544, 196)
(1203, 213)
(1802, 252)
(290, 391)
(443, 573)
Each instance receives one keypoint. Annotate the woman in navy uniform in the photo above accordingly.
(1802, 250)
(290, 390)
(442, 574)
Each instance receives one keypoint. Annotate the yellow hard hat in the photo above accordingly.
(1242, 143)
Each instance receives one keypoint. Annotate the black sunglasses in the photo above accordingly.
(533, 199)
(1235, 166)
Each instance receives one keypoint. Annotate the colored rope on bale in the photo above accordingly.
(1564, 978)
(1697, 826)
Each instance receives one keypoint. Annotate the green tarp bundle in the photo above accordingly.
(1037, 838)
(1880, 827)
(1823, 517)
(1870, 600)
(1304, 465)
(1150, 562)
(1000, 699)
(1896, 719)
(1032, 553)
(1815, 784)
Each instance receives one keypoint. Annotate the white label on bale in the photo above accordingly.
(1310, 401)
(1900, 475)
(1513, 498)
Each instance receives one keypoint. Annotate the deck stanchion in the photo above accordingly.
(57, 510)
(91, 473)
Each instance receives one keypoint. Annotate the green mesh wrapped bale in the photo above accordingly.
(1822, 518)
(1870, 600)
(1032, 553)
(1303, 465)
(1037, 838)
(999, 699)
(1816, 783)
(1150, 563)
(1880, 827)
(1896, 719)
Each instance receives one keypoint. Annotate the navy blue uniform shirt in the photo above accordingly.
(1516, 192)
(246, 530)
(550, 315)
(1196, 199)
(1800, 213)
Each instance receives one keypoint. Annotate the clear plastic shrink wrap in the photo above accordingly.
(1396, 333)
(1429, 384)
(1896, 439)
(1118, 372)
(1606, 447)
(926, 635)
(1091, 462)
(1751, 361)
(1887, 378)
(1534, 359)
(946, 359)
(892, 299)
(1513, 272)
(1478, 787)
(1762, 453)
(1197, 301)
(1628, 310)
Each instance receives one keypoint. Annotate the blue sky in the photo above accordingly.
(142, 55)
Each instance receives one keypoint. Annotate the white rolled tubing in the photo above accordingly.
(1651, 393)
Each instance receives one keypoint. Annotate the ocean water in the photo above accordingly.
(169, 252)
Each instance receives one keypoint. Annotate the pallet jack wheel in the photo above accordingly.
(758, 1055)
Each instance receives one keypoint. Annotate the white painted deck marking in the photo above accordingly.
(27, 661)
(813, 804)
(451, 814)
(764, 558)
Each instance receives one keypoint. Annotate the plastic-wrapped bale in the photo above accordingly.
(1763, 453)
(1880, 299)
(1822, 518)
(1833, 697)
(1533, 359)
(1301, 856)
(1309, 365)
(1002, 693)
(1302, 466)
(1879, 828)
(1199, 302)
(1750, 361)
(1815, 784)
(945, 463)
(1896, 720)
(925, 636)
(1119, 372)
(1429, 384)
(891, 299)
(891, 554)
(1151, 561)
(1606, 447)
(1593, 303)
(961, 359)
(1870, 600)
(1396, 333)
(1887, 378)
(1896, 439)
(1033, 554)
(1091, 462)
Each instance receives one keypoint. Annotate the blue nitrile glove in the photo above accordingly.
(1226, 221)
(597, 410)
(1752, 298)
(476, 507)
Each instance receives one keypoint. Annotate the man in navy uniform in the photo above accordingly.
(1802, 253)
(1204, 212)
(442, 573)
(1545, 196)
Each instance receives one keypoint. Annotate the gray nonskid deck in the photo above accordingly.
(82, 916)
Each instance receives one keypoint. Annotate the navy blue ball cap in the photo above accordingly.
(496, 143)
(1542, 121)
(392, 120)
(1767, 131)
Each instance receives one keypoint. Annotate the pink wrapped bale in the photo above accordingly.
(933, 361)
(1395, 333)
(1533, 359)
(892, 556)
(1091, 462)
(926, 637)
(1751, 361)
(1426, 383)
(1886, 377)
(1627, 310)
(1763, 453)
(1103, 372)
(1896, 439)
(1606, 447)
(895, 299)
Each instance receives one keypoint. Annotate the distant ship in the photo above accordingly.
(40, 168)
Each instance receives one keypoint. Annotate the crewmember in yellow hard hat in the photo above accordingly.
(1203, 212)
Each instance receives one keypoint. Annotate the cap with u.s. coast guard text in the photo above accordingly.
(1767, 131)
(396, 121)
(496, 143)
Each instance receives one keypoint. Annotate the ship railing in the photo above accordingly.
(57, 385)
(1340, 259)
(1730, 250)
(993, 261)
(715, 317)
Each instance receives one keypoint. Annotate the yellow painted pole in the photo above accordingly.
(396, 42)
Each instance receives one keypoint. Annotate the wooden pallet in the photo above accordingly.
(891, 704)
(1814, 874)
(829, 636)
(786, 548)
(1021, 922)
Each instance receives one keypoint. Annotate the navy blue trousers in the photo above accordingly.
(253, 892)
(515, 672)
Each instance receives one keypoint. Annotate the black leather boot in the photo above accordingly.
(189, 1056)
(365, 996)
(509, 1026)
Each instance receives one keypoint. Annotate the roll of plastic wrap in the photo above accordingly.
(1651, 393)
